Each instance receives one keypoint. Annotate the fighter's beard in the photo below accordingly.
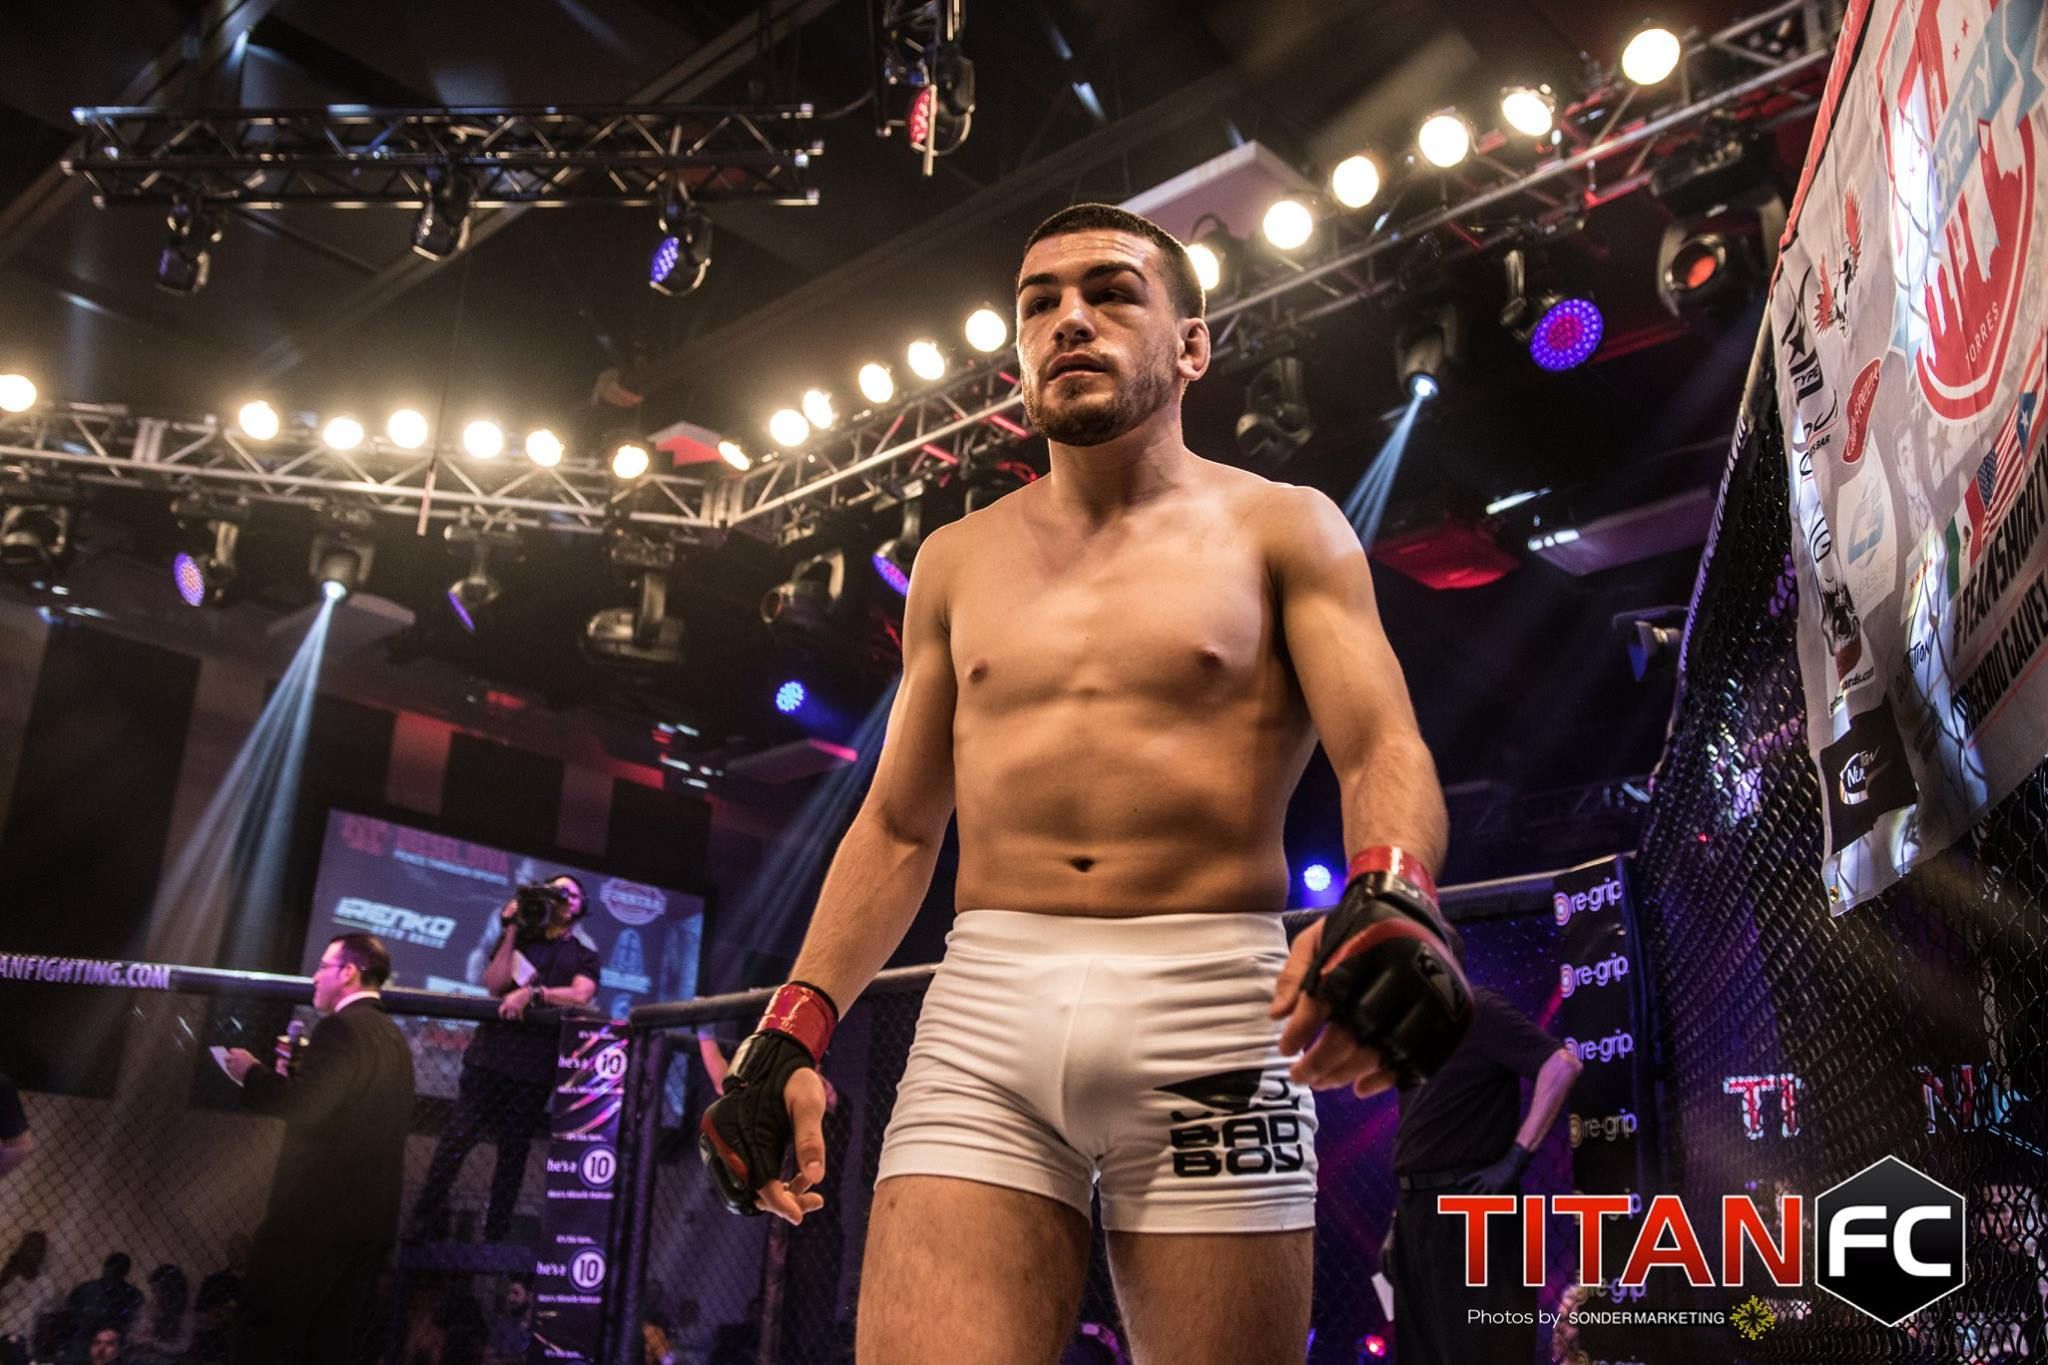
(1092, 421)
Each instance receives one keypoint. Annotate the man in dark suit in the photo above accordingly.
(333, 1213)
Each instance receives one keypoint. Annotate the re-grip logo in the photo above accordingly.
(1606, 894)
(1620, 1043)
(1605, 972)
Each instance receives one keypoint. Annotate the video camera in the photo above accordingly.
(535, 906)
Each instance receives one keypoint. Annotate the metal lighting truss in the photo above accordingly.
(869, 459)
(347, 156)
(110, 447)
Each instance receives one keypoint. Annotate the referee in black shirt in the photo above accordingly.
(1462, 1132)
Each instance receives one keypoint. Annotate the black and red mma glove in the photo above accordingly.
(745, 1133)
(1385, 967)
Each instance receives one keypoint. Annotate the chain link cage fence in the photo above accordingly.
(137, 1209)
(1797, 1046)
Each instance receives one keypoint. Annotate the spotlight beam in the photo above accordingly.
(1367, 505)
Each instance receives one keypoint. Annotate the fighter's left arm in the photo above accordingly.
(1351, 680)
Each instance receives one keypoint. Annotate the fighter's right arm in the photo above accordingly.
(883, 868)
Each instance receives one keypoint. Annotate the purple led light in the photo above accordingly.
(892, 575)
(1566, 335)
(191, 581)
(461, 611)
(664, 262)
(789, 697)
(1316, 878)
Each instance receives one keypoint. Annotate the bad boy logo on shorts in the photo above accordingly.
(1248, 1123)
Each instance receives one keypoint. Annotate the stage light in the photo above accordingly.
(1288, 223)
(819, 410)
(258, 420)
(877, 385)
(203, 579)
(1276, 420)
(734, 455)
(1651, 55)
(442, 227)
(1529, 109)
(544, 448)
(186, 260)
(407, 429)
(1316, 878)
(1445, 139)
(804, 604)
(36, 539)
(1208, 268)
(1375, 1346)
(483, 440)
(684, 254)
(1355, 181)
(1566, 334)
(644, 635)
(342, 433)
(927, 361)
(986, 330)
(342, 554)
(630, 460)
(471, 595)
(1426, 349)
(893, 557)
(789, 697)
(17, 393)
(789, 428)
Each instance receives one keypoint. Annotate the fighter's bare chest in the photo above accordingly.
(1181, 618)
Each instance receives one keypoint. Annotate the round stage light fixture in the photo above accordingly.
(986, 330)
(1529, 109)
(927, 361)
(1444, 139)
(789, 428)
(1423, 387)
(1316, 878)
(1651, 56)
(1566, 334)
(342, 433)
(877, 385)
(484, 440)
(733, 454)
(407, 429)
(630, 460)
(1288, 223)
(17, 393)
(819, 410)
(790, 697)
(544, 448)
(258, 420)
(1208, 266)
(1355, 181)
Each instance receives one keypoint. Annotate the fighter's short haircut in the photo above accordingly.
(1181, 285)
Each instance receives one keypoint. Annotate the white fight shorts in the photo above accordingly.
(1057, 1054)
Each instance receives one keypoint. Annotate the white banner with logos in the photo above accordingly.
(1910, 310)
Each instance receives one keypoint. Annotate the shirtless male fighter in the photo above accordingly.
(1116, 675)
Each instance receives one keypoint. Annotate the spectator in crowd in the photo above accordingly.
(106, 1348)
(24, 1290)
(214, 1308)
(16, 1141)
(657, 1347)
(512, 1324)
(164, 1332)
(109, 1301)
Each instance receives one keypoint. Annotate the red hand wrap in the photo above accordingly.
(804, 1013)
(1396, 862)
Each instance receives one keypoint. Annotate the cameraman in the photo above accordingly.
(508, 1071)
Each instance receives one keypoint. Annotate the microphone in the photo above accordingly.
(288, 1047)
